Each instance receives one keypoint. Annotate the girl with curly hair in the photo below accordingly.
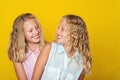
(69, 58)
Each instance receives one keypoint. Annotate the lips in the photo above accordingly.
(36, 37)
(59, 37)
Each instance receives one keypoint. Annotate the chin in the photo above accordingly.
(59, 42)
(37, 41)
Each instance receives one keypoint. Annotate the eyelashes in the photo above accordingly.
(61, 28)
(16, 30)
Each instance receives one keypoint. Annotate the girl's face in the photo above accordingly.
(61, 32)
(31, 31)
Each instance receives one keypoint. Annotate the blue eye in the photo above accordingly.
(30, 30)
(62, 29)
(37, 27)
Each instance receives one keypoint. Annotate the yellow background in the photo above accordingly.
(102, 20)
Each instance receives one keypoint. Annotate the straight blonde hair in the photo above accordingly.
(17, 47)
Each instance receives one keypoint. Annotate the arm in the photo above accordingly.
(41, 62)
(82, 75)
(20, 71)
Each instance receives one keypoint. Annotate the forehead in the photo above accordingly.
(63, 21)
(30, 23)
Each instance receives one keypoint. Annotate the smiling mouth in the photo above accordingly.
(36, 37)
(59, 37)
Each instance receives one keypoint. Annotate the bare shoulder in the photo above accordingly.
(46, 48)
(17, 63)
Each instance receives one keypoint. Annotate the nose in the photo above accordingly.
(58, 31)
(36, 31)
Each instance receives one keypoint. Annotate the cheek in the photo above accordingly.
(27, 35)
(39, 31)
(65, 34)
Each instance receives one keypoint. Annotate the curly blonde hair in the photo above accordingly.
(17, 48)
(77, 36)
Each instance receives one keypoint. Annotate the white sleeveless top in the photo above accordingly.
(61, 67)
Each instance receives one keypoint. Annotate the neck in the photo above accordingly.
(33, 47)
(70, 50)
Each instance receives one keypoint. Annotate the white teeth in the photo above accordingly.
(59, 37)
